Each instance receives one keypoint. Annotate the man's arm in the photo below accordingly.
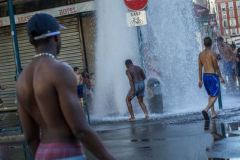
(200, 71)
(30, 129)
(143, 74)
(216, 67)
(73, 113)
(130, 80)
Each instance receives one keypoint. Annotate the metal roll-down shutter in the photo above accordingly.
(71, 47)
(7, 66)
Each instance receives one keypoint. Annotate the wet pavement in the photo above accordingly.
(156, 141)
(182, 137)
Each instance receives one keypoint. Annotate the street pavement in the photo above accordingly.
(188, 137)
(155, 141)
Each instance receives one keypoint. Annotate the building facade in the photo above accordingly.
(212, 6)
(202, 3)
(228, 17)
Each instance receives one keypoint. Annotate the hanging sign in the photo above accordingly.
(135, 19)
(55, 12)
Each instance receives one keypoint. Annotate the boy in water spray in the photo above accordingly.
(208, 60)
(136, 78)
(79, 84)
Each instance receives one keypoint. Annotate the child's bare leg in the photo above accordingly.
(212, 108)
(82, 102)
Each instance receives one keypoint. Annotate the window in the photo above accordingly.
(217, 16)
(226, 32)
(231, 13)
(225, 24)
(230, 5)
(238, 4)
(234, 31)
(223, 6)
(238, 13)
(224, 15)
(232, 22)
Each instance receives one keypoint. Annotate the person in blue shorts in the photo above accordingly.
(136, 78)
(79, 84)
(208, 60)
(228, 63)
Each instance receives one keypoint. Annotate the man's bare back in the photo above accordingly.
(207, 59)
(37, 95)
(136, 73)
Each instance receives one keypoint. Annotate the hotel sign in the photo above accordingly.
(55, 12)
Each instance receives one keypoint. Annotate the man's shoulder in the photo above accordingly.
(205, 53)
(212, 52)
(138, 67)
(227, 46)
(61, 68)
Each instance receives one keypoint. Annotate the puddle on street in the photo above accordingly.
(223, 158)
(220, 132)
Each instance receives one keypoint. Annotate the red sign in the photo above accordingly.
(136, 5)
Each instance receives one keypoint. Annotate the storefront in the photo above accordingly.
(74, 47)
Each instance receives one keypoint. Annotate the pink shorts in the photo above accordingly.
(51, 151)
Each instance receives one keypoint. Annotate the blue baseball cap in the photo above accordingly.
(43, 25)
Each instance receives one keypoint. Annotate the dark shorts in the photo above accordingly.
(1, 101)
(80, 91)
(139, 89)
(211, 84)
(228, 68)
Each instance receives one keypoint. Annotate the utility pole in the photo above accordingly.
(14, 38)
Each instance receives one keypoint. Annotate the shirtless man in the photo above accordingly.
(52, 119)
(228, 62)
(80, 83)
(208, 60)
(136, 78)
